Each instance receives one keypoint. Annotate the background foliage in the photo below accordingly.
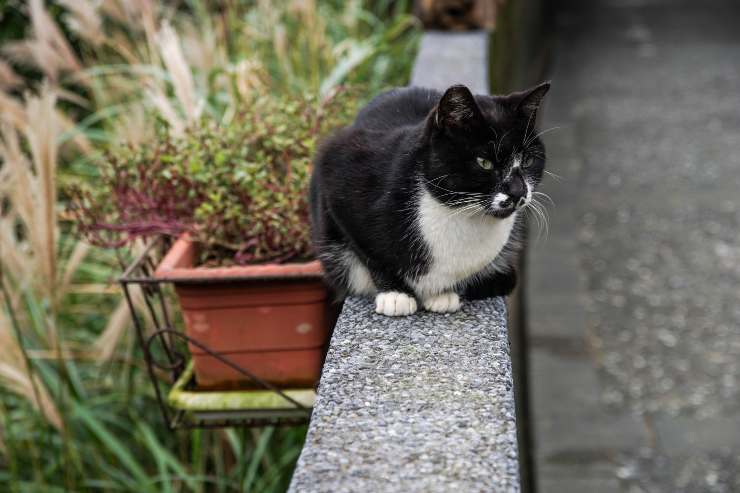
(78, 77)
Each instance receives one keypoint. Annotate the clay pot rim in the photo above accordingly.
(176, 266)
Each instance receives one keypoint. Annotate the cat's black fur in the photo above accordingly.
(368, 178)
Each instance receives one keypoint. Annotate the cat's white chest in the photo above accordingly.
(460, 245)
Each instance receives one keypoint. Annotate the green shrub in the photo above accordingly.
(239, 189)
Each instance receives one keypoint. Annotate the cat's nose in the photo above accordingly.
(516, 189)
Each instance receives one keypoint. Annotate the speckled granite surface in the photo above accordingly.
(419, 403)
(448, 58)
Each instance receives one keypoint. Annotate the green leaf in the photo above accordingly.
(165, 459)
(114, 446)
(256, 457)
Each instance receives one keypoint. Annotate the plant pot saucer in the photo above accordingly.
(214, 406)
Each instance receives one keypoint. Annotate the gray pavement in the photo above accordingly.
(634, 298)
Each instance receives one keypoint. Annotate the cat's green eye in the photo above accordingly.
(527, 162)
(484, 163)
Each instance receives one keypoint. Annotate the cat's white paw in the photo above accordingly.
(394, 304)
(443, 303)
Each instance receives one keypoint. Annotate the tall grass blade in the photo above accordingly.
(256, 457)
(114, 446)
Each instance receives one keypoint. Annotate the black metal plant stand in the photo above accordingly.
(166, 354)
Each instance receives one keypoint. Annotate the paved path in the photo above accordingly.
(635, 296)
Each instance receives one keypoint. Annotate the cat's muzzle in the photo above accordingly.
(513, 203)
(504, 205)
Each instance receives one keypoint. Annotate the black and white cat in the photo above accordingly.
(420, 198)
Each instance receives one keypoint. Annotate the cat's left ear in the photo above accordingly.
(531, 99)
(457, 109)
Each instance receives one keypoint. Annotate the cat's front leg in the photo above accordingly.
(442, 303)
(395, 303)
(394, 298)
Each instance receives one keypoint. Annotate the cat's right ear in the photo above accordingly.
(457, 109)
(528, 102)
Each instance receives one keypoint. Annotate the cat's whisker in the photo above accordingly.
(457, 207)
(527, 211)
(495, 134)
(498, 146)
(540, 134)
(535, 153)
(540, 224)
(536, 205)
(539, 213)
(526, 131)
(555, 176)
(467, 208)
(532, 216)
(452, 192)
(472, 206)
(545, 196)
(538, 220)
(439, 178)
(472, 198)
(542, 210)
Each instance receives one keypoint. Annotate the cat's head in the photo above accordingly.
(483, 153)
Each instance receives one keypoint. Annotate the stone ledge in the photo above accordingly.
(445, 59)
(419, 403)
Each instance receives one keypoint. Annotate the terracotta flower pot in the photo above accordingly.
(272, 319)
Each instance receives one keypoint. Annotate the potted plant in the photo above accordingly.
(234, 198)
